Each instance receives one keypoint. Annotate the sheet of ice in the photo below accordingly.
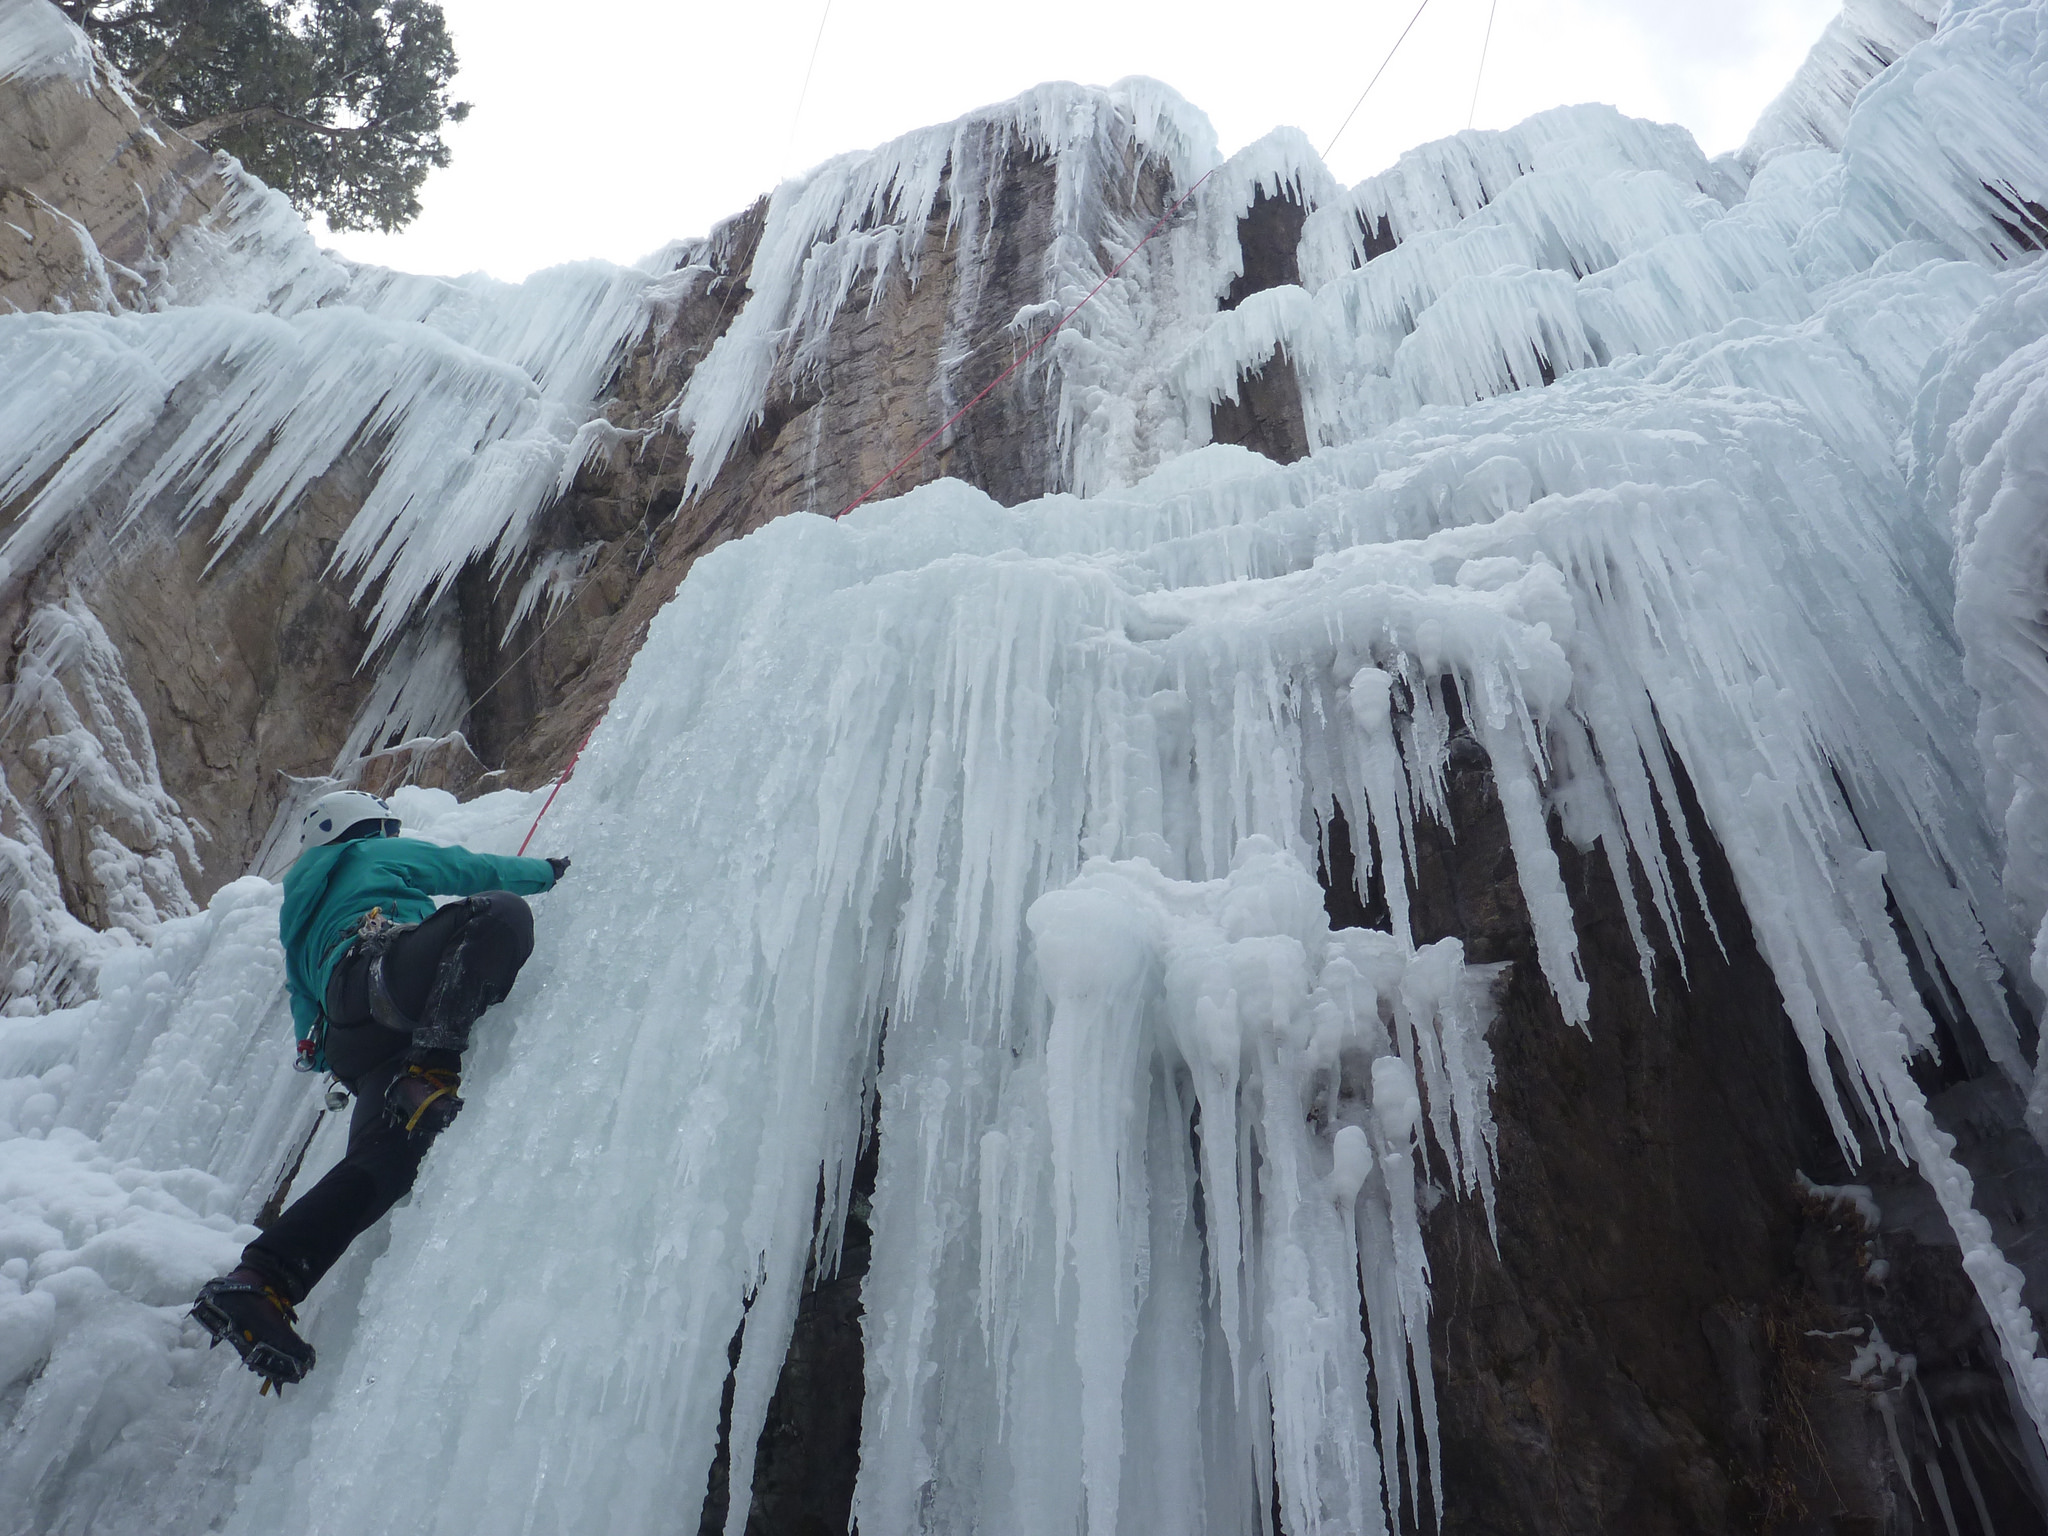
(1146, 680)
(1950, 143)
(1228, 1011)
(1979, 445)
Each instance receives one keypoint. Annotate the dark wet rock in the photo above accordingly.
(1662, 1340)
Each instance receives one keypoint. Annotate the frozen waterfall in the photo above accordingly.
(993, 831)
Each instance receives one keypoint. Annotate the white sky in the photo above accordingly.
(609, 127)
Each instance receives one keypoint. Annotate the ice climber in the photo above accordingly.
(384, 989)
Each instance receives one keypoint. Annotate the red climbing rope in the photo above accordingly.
(1025, 356)
(558, 787)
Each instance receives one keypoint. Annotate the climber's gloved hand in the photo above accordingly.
(560, 867)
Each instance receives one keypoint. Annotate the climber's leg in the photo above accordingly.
(442, 975)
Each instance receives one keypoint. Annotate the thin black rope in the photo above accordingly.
(1375, 80)
(1491, 11)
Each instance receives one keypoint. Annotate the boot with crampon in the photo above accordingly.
(254, 1313)
(422, 1100)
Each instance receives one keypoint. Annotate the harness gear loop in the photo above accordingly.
(375, 934)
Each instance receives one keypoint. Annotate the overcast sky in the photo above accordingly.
(609, 127)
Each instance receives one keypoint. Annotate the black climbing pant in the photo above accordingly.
(382, 1159)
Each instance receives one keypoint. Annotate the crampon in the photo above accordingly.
(422, 1100)
(256, 1318)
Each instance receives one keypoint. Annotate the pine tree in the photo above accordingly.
(339, 104)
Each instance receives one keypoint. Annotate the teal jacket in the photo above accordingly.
(329, 889)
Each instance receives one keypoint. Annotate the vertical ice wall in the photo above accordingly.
(140, 1131)
(1978, 437)
(1002, 820)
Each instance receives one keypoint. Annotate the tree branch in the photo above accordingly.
(206, 129)
(86, 15)
(114, 23)
(176, 47)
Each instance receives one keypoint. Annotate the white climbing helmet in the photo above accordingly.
(334, 815)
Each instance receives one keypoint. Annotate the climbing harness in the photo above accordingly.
(375, 935)
(311, 1054)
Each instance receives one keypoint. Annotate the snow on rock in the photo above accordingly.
(87, 741)
(265, 361)
(474, 389)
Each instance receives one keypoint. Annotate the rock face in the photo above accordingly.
(1266, 415)
(1674, 1332)
(91, 194)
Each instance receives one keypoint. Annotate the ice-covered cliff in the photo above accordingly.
(1476, 966)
